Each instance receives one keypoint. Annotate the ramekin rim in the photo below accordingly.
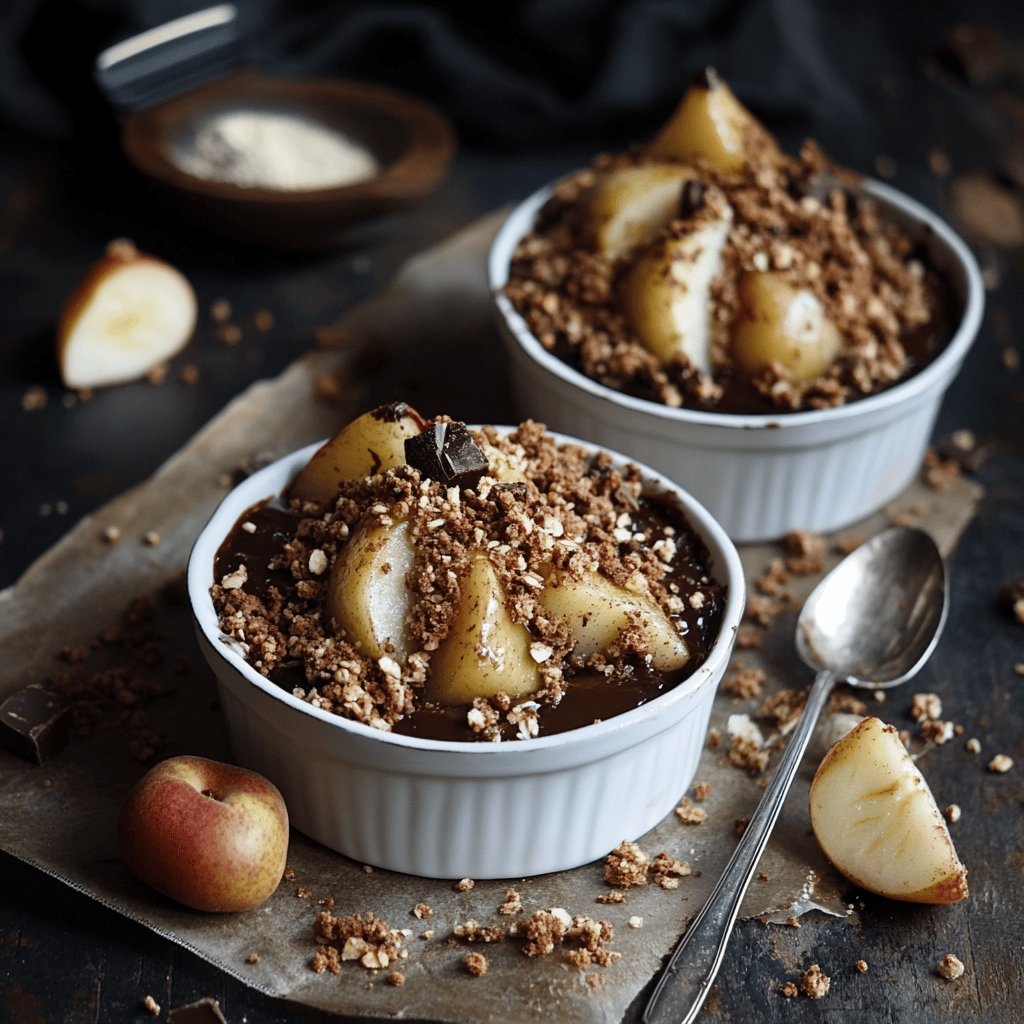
(199, 577)
(929, 377)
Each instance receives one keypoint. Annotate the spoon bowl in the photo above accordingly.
(872, 621)
(875, 619)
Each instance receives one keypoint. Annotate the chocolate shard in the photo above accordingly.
(447, 453)
(35, 723)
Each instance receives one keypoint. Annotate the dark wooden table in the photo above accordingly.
(64, 958)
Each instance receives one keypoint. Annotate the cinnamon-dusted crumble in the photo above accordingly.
(365, 938)
(626, 866)
(537, 512)
(799, 219)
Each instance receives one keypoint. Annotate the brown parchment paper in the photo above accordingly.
(436, 346)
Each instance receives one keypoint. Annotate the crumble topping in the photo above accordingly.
(571, 512)
(792, 216)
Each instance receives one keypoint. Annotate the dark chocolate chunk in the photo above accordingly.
(691, 198)
(203, 1011)
(35, 723)
(447, 453)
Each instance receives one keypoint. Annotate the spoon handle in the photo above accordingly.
(687, 978)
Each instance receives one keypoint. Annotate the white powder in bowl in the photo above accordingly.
(263, 149)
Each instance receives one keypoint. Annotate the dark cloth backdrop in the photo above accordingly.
(510, 74)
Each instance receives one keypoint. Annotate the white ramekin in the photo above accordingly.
(760, 476)
(455, 810)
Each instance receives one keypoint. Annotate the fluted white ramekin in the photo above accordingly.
(453, 810)
(760, 476)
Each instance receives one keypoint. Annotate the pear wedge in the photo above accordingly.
(877, 821)
(628, 206)
(711, 124)
(367, 599)
(781, 324)
(371, 443)
(597, 611)
(485, 651)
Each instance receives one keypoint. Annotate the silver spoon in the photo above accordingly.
(872, 621)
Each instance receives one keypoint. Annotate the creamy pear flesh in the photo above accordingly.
(877, 821)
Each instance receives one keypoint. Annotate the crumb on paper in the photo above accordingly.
(151, 1006)
(1000, 764)
(952, 813)
(253, 958)
(464, 885)
(861, 967)
(475, 963)
(151, 538)
(422, 910)
(744, 683)
(950, 967)
(626, 866)
(512, 904)
(364, 938)
(973, 745)
(690, 815)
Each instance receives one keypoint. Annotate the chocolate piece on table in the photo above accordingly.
(203, 1011)
(34, 723)
(447, 453)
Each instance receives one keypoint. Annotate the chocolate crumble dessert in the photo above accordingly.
(709, 270)
(433, 580)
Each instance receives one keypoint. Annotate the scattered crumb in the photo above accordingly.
(464, 885)
(473, 931)
(157, 375)
(814, 983)
(744, 682)
(422, 910)
(973, 745)
(1000, 763)
(805, 552)
(690, 815)
(367, 869)
(667, 871)
(1019, 668)
(861, 967)
(263, 320)
(362, 937)
(952, 813)
(701, 791)
(190, 374)
(111, 535)
(151, 1006)
(151, 539)
(252, 958)
(636, 921)
(220, 311)
(949, 967)
(789, 990)
(476, 963)
(612, 896)
(714, 738)
(303, 893)
(34, 399)
(848, 543)
(1010, 599)
(626, 866)
(793, 921)
(229, 334)
(513, 903)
